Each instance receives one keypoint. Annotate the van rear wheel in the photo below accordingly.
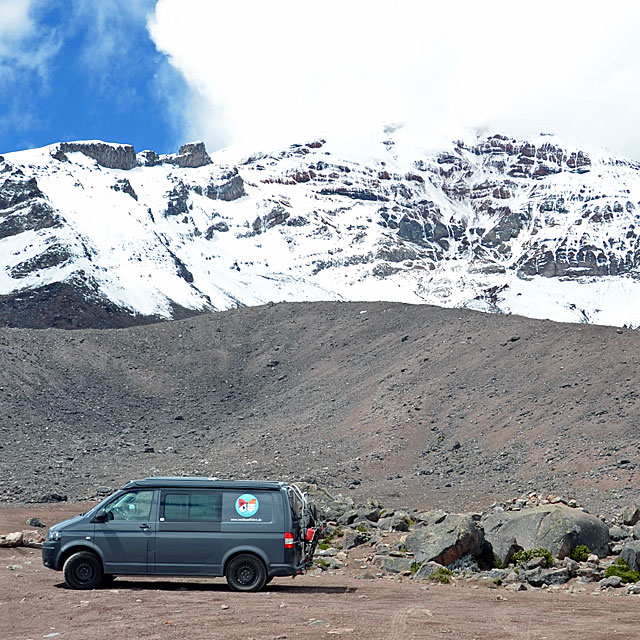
(83, 570)
(246, 572)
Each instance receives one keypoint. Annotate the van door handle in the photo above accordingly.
(145, 526)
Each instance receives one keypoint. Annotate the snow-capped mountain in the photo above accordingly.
(92, 234)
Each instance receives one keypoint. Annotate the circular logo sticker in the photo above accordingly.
(247, 505)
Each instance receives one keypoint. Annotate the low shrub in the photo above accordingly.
(580, 553)
(442, 575)
(623, 570)
(522, 557)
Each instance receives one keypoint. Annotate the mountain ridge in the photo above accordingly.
(533, 227)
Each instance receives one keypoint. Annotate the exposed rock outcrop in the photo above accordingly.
(111, 156)
(191, 155)
(230, 187)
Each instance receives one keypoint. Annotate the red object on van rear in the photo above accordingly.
(288, 540)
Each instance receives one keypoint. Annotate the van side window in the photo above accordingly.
(133, 506)
(191, 506)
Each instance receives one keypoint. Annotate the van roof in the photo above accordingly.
(202, 482)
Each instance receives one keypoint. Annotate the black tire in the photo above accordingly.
(268, 580)
(83, 570)
(246, 572)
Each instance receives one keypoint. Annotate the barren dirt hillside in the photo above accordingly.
(416, 405)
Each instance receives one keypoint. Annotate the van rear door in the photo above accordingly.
(294, 507)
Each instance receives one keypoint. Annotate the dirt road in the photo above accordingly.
(34, 603)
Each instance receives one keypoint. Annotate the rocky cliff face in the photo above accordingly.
(536, 227)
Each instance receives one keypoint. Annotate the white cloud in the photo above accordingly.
(107, 27)
(16, 21)
(24, 45)
(260, 70)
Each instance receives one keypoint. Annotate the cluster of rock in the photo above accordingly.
(544, 532)
(27, 538)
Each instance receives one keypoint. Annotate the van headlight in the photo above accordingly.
(53, 535)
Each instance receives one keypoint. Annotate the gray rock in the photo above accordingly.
(53, 497)
(354, 539)
(612, 581)
(571, 565)
(634, 588)
(373, 515)
(636, 531)
(393, 564)
(539, 576)
(534, 563)
(455, 536)
(362, 523)
(425, 570)
(631, 515)
(396, 522)
(35, 522)
(631, 554)
(618, 533)
(348, 517)
(554, 527)
(111, 156)
(513, 577)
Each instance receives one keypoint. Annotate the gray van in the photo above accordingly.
(249, 532)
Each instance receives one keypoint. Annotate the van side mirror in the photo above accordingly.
(103, 516)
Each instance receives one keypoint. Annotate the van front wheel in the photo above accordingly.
(246, 572)
(83, 570)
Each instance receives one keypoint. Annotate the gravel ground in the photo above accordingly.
(34, 603)
(416, 405)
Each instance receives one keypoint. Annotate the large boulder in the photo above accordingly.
(446, 540)
(554, 527)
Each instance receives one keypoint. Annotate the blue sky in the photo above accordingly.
(158, 73)
(76, 70)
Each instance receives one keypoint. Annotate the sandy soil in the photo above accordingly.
(34, 603)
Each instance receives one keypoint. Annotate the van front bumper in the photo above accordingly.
(50, 553)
